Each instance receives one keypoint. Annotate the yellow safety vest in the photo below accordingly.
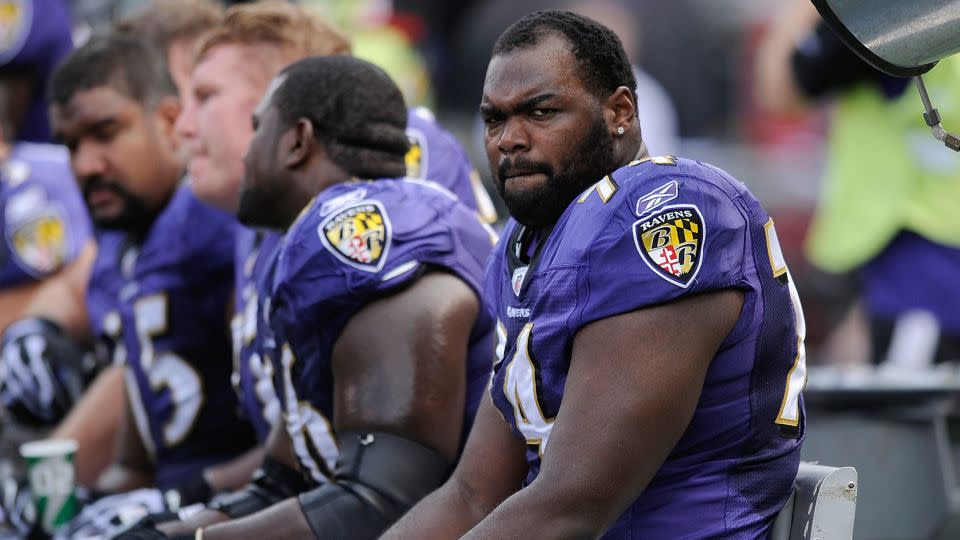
(886, 172)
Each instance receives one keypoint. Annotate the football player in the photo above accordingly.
(44, 229)
(158, 293)
(379, 342)
(43, 225)
(650, 350)
(173, 26)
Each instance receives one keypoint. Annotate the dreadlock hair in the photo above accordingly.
(128, 64)
(357, 112)
(601, 60)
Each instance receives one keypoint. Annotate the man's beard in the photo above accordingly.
(136, 215)
(542, 206)
(260, 207)
(248, 209)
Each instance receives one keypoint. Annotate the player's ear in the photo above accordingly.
(620, 110)
(301, 144)
(167, 111)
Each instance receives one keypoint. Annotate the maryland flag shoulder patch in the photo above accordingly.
(40, 244)
(671, 242)
(358, 235)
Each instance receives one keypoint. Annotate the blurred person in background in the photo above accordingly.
(45, 241)
(158, 293)
(45, 234)
(174, 26)
(46, 238)
(885, 221)
(159, 289)
(34, 36)
(44, 225)
(378, 34)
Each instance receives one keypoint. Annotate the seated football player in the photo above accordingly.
(380, 344)
(173, 26)
(43, 224)
(45, 234)
(650, 357)
(159, 290)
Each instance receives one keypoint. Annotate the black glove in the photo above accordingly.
(42, 373)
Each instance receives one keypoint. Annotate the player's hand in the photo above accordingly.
(42, 373)
(111, 514)
(134, 512)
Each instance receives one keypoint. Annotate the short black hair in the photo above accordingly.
(129, 64)
(357, 112)
(603, 63)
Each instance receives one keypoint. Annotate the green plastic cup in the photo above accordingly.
(52, 480)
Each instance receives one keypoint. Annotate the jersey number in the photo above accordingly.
(244, 328)
(165, 370)
(520, 389)
(311, 432)
(789, 414)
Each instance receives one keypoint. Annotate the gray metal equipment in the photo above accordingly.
(822, 506)
(903, 38)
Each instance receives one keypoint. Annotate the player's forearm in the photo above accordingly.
(119, 478)
(61, 298)
(205, 518)
(556, 515)
(14, 301)
(445, 513)
(93, 423)
(283, 520)
(235, 473)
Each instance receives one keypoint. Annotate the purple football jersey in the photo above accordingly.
(34, 36)
(436, 155)
(651, 232)
(43, 221)
(355, 243)
(160, 306)
(253, 374)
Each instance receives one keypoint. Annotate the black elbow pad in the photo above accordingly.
(378, 477)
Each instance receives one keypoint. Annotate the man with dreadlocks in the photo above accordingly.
(379, 342)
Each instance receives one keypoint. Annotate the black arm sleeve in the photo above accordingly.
(378, 477)
(272, 482)
(823, 64)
